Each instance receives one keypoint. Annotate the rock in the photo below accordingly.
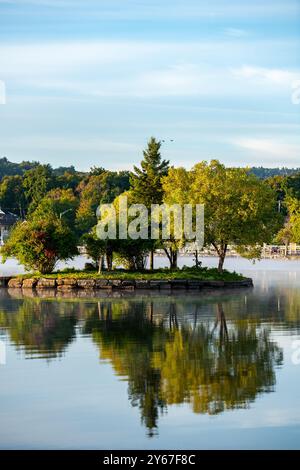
(86, 283)
(29, 283)
(178, 284)
(128, 283)
(100, 283)
(103, 284)
(164, 284)
(128, 288)
(154, 284)
(215, 284)
(142, 284)
(194, 284)
(232, 283)
(115, 282)
(15, 283)
(66, 287)
(45, 283)
(67, 281)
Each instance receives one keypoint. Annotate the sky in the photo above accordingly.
(88, 82)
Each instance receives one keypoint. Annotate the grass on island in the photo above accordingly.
(203, 273)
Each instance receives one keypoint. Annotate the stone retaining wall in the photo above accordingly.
(67, 284)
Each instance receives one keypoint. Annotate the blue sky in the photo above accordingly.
(88, 82)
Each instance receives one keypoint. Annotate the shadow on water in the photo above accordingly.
(212, 351)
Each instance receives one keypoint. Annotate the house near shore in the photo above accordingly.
(7, 220)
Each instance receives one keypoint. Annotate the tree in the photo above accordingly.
(145, 182)
(60, 202)
(39, 243)
(100, 187)
(8, 168)
(176, 187)
(131, 253)
(12, 196)
(37, 182)
(293, 224)
(292, 185)
(239, 208)
(97, 249)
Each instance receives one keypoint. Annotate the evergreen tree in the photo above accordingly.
(145, 182)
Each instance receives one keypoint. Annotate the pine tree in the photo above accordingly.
(145, 182)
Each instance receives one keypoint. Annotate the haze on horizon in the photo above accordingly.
(88, 82)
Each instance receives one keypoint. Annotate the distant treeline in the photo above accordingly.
(8, 168)
(264, 173)
(23, 185)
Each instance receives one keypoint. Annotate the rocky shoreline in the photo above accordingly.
(70, 284)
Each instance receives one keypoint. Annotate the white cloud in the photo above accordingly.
(272, 150)
(136, 68)
(266, 75)
(109, 68)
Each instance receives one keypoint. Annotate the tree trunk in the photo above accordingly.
(151, 260)
(100, 264)
(197, 262)
(221, 262)
(221, 250)
(109, 259)
(172, 257)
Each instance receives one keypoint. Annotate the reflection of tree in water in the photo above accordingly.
(166, 355)
(40, 327)
(128, 339)
(220, 371)
(213, 367)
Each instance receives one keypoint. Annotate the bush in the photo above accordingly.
(39, 244)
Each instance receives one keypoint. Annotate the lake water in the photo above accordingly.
(206, 370)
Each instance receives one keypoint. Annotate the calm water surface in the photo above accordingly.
(191, 370)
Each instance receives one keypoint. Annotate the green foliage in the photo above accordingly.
(8, 168)
(291, 186)
(264, 173)
(100, 187)
(39, 244)
(132, 254)
(145, 182)
(293, 225)
(239, 208)
(61, 203)
(12, 197)
(36, 183)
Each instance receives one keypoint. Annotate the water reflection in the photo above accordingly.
(211, 365)
(212, 351)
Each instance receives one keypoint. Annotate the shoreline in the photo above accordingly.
(106, 284)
